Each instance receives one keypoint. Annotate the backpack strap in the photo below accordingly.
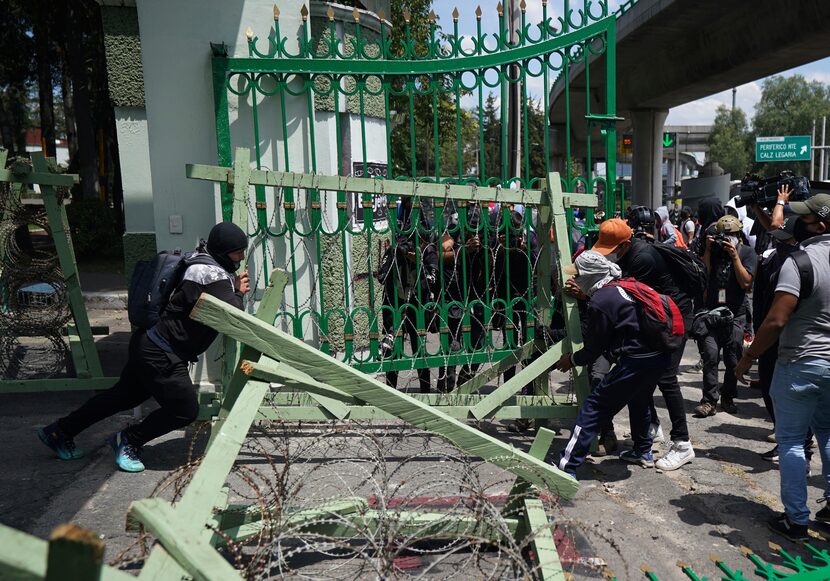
(805, 274)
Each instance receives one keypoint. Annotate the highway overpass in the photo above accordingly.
(671, 52)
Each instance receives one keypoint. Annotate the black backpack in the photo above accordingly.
(687, 269)
(153, 282)
(805, 274)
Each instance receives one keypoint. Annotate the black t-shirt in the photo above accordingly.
(644, 263)
(722, 276)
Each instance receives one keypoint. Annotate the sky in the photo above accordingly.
(700, 112)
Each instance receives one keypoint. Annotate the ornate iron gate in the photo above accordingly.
(388, 98)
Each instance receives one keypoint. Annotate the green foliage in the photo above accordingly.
(94, 229)
(729, 141)
(788, 106)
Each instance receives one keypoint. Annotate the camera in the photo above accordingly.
(720, 238)
(764, 191)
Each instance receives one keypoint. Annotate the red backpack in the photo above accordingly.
(660, 320)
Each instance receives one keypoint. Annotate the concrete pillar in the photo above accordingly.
(646, 175)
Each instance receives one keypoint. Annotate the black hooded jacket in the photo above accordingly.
(176, 332)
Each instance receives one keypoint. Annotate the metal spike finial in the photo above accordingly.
(523, 6)
(500, 9)
(304, 12)
(407, 16)
(432, 16)
(330, 13)
(478, 12)
(455, 14)
(276, 12)
(356, 15)
(249, 33)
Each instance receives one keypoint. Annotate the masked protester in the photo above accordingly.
(158, 360)
(612, 329)
(799, 319)
(730, 263)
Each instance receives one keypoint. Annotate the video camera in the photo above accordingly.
(764, 191)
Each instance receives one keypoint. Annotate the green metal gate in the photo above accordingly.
(388, 97)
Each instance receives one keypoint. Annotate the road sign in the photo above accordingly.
(785, 148)
(669, 139)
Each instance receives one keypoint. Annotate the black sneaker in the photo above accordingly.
(824, 514)
(771, 456)
(727, 405)
(781, 525)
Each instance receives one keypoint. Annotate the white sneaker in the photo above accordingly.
(679, 454)
(655, 432)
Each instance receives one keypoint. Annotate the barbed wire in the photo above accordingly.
(33, 293)
(351, 500)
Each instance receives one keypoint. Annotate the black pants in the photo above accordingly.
(670, 388)
(150, 372)
(410, 329)
(630, 382)
(468, 371)
(730, 340)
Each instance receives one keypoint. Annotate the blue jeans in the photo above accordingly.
(801, 397)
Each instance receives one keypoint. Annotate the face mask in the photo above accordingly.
(801, 231)
(734, 240)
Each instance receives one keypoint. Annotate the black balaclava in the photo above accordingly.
(709, 211)
(224, 238)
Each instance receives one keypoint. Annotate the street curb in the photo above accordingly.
(106, 300)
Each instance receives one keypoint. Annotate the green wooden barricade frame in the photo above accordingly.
(89, 375)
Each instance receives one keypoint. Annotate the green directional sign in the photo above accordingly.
(784, 148)
(669, 139)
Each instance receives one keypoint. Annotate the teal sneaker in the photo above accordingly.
(127, 456)
(57, 441)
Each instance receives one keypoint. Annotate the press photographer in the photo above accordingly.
(730, 264)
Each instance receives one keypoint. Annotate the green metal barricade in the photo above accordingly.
(411, 102)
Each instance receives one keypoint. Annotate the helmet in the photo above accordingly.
(728, 225)
(640, 216)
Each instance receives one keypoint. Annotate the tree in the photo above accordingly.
(729, 141)
(17, 75)
(788, 106)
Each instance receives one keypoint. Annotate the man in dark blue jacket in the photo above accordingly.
(158, 358)
(612, 330)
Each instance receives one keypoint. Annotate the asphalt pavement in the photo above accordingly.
(622, 516)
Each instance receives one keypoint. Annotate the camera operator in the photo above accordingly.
(641, 260)
(731, 266)
(408, 274)
(766, 223)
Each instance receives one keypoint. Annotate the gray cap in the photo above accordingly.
(818, 205)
